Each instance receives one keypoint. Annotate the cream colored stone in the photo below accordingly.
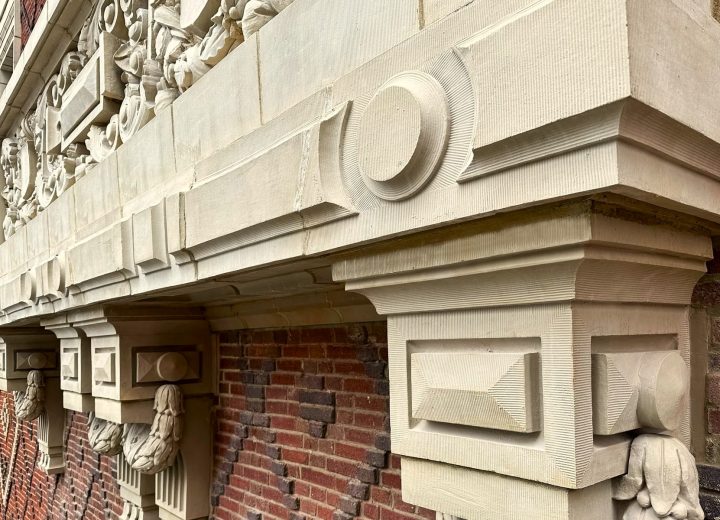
(485, 390)
(299, 175)
(386, 125)
(103, 258)
(639, 390)
(475, 495)
(149, 238)
(434, 10)
(493, 290)
(97, 198)
(363, 29)
(147, 171)
(219, 109)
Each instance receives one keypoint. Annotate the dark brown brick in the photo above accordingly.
(324, 414)
(317, 397)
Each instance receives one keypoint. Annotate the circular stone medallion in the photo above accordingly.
(402, 135)
(172, 366)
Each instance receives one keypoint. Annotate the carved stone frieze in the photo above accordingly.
(131, 60)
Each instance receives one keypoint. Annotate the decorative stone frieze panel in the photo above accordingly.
(488, 332)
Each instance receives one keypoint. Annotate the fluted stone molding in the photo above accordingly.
(137, 491)
(662, 481)
(514, 365)
(30, 403)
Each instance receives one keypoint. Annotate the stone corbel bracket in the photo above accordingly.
(147, 369)
(29, 368)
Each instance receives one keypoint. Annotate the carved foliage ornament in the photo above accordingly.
(152, 448)
(105, 436)
(662, 480)
(30, 404)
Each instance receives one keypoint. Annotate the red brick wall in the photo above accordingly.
(86, 490)
(302, 427)
(29, 14)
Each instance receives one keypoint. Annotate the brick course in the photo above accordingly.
(310, 407)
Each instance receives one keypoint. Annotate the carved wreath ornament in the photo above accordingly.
(147, 448)
(30, 404)
(662, 479)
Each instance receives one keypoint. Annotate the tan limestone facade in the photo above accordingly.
(525, 191)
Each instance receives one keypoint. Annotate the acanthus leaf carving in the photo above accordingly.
(662, 479)
(30, 404)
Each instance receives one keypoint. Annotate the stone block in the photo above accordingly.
(220, 108)
(501, 389)
(635, 390)
(95, 94)
(335, 27)
(476, 495)
(146, 170)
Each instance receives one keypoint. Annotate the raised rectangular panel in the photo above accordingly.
(177, 364)
(34, 359)
(69, 365)
(94, 95)
(104, 367)
(593, 75)
(149, 238)
(487, 390)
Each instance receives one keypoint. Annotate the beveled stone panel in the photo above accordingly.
(488, 390)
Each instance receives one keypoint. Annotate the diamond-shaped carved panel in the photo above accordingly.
(487, 390)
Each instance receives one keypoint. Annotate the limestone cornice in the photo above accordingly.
(158, 213)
